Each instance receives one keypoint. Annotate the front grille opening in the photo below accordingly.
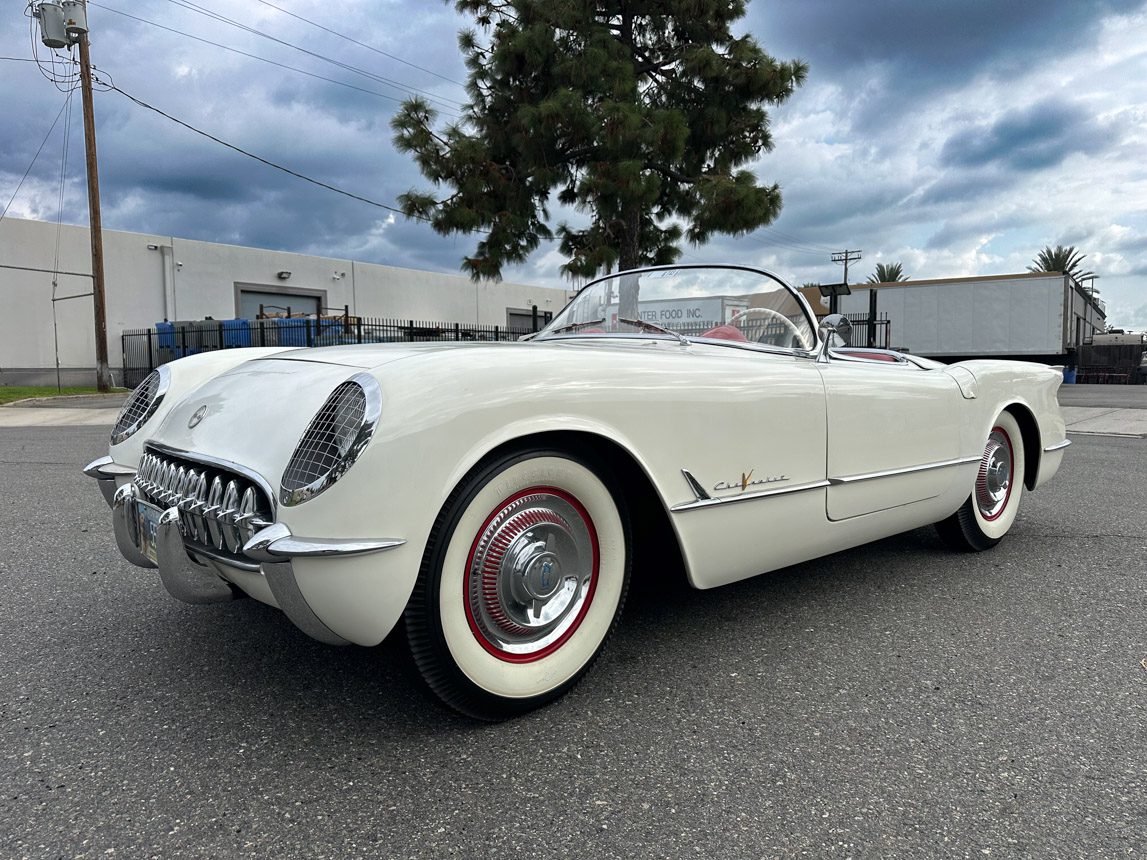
(219, 510)
(328, 440)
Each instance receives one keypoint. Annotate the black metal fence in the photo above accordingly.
(146, 349)
(870, 332)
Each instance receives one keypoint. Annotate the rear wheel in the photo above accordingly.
(988, 513)
(521, 585)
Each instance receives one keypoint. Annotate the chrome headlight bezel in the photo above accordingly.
(135, 412)
(301, 480)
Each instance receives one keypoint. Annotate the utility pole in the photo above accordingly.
(103, 374)
(845, 257)
(63, 24)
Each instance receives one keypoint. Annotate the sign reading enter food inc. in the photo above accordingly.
(674, 312)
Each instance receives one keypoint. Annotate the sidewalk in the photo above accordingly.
(55, 416)
(1105, 421)
(81, 410)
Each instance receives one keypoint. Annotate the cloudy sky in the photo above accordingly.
(958, 138)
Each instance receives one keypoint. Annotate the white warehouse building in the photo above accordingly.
(48, 310)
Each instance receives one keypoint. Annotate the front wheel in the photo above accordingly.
(988, 513)
(521, 584)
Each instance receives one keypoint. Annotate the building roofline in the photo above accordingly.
(914, 282)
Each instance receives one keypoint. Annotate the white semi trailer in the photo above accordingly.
(1040, 316)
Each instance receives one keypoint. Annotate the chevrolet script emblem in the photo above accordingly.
(194, 420)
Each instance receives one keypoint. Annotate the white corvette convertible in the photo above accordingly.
(494, 496)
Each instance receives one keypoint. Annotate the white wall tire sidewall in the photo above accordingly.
(998, 527)
(525, 680)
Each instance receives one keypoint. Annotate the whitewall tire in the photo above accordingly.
(989, 512)
(521, 584)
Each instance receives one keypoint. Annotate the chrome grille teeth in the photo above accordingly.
(248, 507)
(166, 483)
(198, 492)
(227, 517)
(214, 501)
(214, 510)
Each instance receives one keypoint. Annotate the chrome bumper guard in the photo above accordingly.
(105, 470)
(191, 580)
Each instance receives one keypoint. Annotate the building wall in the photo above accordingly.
(151, 278)
(1037, 315)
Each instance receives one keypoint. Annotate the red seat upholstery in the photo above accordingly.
(872, 356)
(725, 332)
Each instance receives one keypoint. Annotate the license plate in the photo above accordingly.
(147, 519)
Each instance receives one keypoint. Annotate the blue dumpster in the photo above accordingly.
(236, 332)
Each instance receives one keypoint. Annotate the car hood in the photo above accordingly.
(253, 414)
(368, 356)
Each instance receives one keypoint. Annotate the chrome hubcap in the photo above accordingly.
(994, 483)
(531, 574)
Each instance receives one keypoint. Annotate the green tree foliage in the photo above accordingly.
(639, 113)
(1061, 259)
(887, 274)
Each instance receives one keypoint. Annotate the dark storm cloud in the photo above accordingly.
(1036, 137)
(966, 186)
(925, 45)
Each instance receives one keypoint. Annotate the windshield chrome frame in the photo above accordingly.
(810, 317)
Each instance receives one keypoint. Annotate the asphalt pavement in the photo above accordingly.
(897, 700)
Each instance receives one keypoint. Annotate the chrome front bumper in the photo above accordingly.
(188, 571)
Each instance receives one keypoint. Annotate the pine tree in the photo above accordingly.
(639, 113)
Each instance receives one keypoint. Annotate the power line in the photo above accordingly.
(265, 161)
(210, 13)
(362, 44)
(797, 241)
(20, 184)
(448, 103)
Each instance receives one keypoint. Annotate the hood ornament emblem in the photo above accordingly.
(194, 420)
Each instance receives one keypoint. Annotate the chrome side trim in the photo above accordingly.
(218, 462)
(907, 470)
(1057, 447)
(276, 543)
(745, 497)
(695, 486)
(281, 578)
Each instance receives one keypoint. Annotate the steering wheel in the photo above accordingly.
(766, 315)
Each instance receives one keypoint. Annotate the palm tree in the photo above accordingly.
(887, 274)
(1060, 259)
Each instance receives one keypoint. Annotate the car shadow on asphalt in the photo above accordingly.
(248, 659)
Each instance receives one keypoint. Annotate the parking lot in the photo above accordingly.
(896, 700)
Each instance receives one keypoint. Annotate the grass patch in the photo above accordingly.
(10, 393)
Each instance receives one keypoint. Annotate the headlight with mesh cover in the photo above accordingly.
(333, 440)
(141, 404)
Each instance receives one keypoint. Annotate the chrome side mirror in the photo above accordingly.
(833, 330)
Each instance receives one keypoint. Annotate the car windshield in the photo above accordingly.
(716, 303)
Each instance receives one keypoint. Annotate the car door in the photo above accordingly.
(893, 435)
